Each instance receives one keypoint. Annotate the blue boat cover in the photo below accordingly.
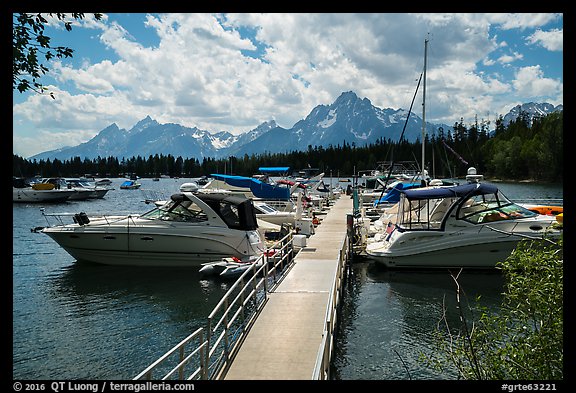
(258, 188)
(393, 195)
(274, 169)
(452, 191)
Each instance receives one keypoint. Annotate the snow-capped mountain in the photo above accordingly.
(532, 109)
(349, 119)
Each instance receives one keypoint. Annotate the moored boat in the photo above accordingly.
(188, 230)
(471, 225)
(23, 191)
(130, 185)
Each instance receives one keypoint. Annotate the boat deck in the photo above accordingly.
(284, 342)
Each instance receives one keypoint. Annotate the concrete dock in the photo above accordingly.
(284, 342)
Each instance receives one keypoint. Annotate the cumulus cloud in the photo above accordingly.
(530, 82)
(522, 20)
(552, 40)
(509, 58)
(234, 71)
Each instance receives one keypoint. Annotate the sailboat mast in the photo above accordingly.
(424, 105)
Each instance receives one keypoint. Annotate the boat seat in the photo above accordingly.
(440, 210)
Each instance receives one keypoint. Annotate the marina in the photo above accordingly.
(125, 319)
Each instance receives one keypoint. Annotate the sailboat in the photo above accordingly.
(386, 184)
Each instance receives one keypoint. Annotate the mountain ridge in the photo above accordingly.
(349, 119)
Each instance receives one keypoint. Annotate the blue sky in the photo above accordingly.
(234, 71)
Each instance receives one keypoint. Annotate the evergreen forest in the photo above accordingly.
(525, 149)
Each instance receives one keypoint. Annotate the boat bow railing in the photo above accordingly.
(79, 218)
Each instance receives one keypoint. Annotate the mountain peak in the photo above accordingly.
(346, 97)
(143, 124)
(532, 109)
(267, 125)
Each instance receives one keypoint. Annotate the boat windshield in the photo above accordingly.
(427, 214)
(491, 207)
(181, 211)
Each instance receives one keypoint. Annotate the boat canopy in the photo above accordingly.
(393, 195)
(274, 169)
(447, 192)
(237, 212)
(259, 188)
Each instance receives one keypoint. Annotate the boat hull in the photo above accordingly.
(476, 256)
(31, 195)
(149, 247)
(481, 247)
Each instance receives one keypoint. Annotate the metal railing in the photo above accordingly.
(229, 321)
(322, 367)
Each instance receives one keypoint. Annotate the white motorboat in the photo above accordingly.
(23, 191)
(471, 225)
(105, 182)
(188, 230)
(95, 191)
(266, 212)
(83, 189)
(270, 214)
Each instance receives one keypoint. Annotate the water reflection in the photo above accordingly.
(179, 291)
(389, 317)
(93, 321)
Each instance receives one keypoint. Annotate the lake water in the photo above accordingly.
(75, 320)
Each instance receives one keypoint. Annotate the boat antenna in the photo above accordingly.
(422, 75)
(424, 108)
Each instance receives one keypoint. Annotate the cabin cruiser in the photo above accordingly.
(78, 193)
(105, 182)
(276, 194)
(188, 230)
(24, 191)
(80, 184)
(471, 225)
(295, 219)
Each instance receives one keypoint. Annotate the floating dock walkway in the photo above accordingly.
(288, 338)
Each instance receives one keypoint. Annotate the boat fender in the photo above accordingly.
(270, 253)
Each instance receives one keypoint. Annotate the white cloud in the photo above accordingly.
(197, 72)
(506, 59)
(522, 20)
(530, 82)
(552, 40)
